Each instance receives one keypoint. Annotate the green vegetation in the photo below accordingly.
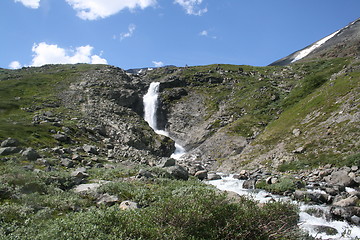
(284, 184)
(41, 206)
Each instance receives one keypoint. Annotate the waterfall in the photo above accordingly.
(150, 101)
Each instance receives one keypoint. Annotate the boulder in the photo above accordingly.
(107, 200)
(61, 138)
(203, 174)
(166, 162)
(249, 184)
(178, 172)
(67, 163)
(10, 142)
(144, 173)
(87, 188)
(312, 196)
(30, 154)
(340, 178)
(9, 150)
(90, 149)
(346, 213)
(350, 201)
(213, 176)
(128, 205)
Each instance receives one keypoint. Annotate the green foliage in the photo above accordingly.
(282, 185)
(183, 210)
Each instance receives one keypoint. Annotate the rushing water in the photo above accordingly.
(150, 101)
(307, 222)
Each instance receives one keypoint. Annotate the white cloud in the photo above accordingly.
(30, 3)
(95, 9)
(204, 33)
(192, 7)
(131, 28)
(52, 54)
(158, 64)
(15, 65)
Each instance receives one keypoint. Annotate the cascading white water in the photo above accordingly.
(307, 222)
(150, 101)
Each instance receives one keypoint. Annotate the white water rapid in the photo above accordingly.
(150, 101)
(307, 222)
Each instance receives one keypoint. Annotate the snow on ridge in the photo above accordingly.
(308, 50)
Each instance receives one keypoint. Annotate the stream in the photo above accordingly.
(319, 226)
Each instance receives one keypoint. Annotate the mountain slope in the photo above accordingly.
(342, 43)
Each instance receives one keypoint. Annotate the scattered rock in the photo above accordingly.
(61, 138)
(178, 172)
(299, 150)
(90, 149)
(67, 163)
(350, 201)
(144, 173)
(203, 174)
(166, 162)
(89, 187)
(296, 132)
(107, 200)
(213, 176)
(340, 178)
(30, 154)
(326, 229)
(249, 184)
(9, 150)
(128, 205)
(10, 142)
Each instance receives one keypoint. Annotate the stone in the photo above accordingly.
(201, 174)
(89, 187)
(249, 184)
(296, 132)
(326, 229)
(90, 149)
(30, 154)
(61, 138)
(354, 168)
(312, 196)
(10, 142)
(350, 201)
(271, 180)
(340, 178)
(166, 162)
(67, 163)
(178, 172)
(299, 150)
(128, 205)
(9, 150)
(107, 199)
(144, 173)
(345, 212)
(213, 176)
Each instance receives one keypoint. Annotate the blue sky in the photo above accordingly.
(146, 33)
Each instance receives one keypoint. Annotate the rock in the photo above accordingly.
(296, 132)
(86, 188)
(61, 138)
(350, 201)
(166, 162)
(67, 163)
(9, 150)
(144, 173)
(80, 175)
(249, 184)
(345, 212)
(30, 154)
(178, 172)
(201, 174)
(340, 178)
(107, 200)
(354, 168)
(90, 149)
(326, 229)
(10, 142)
(213, 176)
(76, 157)
(271, 180)
(128, 205)
(312, 196)
(299, 150)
